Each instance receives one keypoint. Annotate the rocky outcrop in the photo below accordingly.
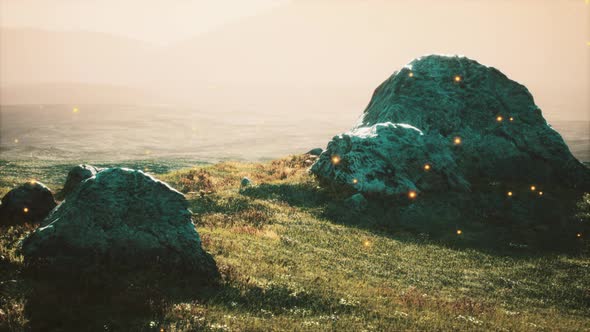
(120, 218)
(75, 176)
(390, 159)
(446, 123)
(30, 202)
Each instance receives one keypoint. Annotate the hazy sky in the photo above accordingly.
(157, 21)
(281, 55)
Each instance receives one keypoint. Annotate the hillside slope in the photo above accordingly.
(291, 261)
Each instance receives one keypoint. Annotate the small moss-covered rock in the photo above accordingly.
(357, 202)
(246, 182)
(30, 202)
(75, 176)
(315, 152)
(120, 218)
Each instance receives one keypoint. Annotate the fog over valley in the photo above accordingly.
(310, 65)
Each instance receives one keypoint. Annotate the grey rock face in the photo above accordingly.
(122, 218)
(29, 202)
(76, 175)
(445, 122)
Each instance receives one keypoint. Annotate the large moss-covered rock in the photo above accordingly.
(120, 218)
(30, 202)
(444, 123)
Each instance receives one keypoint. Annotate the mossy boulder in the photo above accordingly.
(75, 176)
(122, 219)
(30, 202)
(448, 123)
(315, 152)
(389, 159)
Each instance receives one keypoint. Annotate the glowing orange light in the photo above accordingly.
(355, 181)
(458, 78)
(540, 193)
(579, 235)
(411, 74)
(509, 193)
(366, 243)
(412, 194)
(511, 119)
(499, 118)
(26, 210)
(533, 188)
(427, 167)
(457, 140)
(459, 232)
(335, 159)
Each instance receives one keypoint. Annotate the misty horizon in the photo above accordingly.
(305, 70)
(282, 55)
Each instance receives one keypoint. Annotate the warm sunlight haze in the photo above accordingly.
(294, 165)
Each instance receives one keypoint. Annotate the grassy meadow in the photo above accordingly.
(293, 256)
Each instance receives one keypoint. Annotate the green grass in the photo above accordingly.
(292, 257)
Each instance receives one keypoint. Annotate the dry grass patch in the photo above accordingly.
(292, 168)
(197, 180)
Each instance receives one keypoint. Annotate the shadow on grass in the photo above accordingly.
(304, 195)
(275, 300)
(300, 195)
(529, 224)
(147, 302)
